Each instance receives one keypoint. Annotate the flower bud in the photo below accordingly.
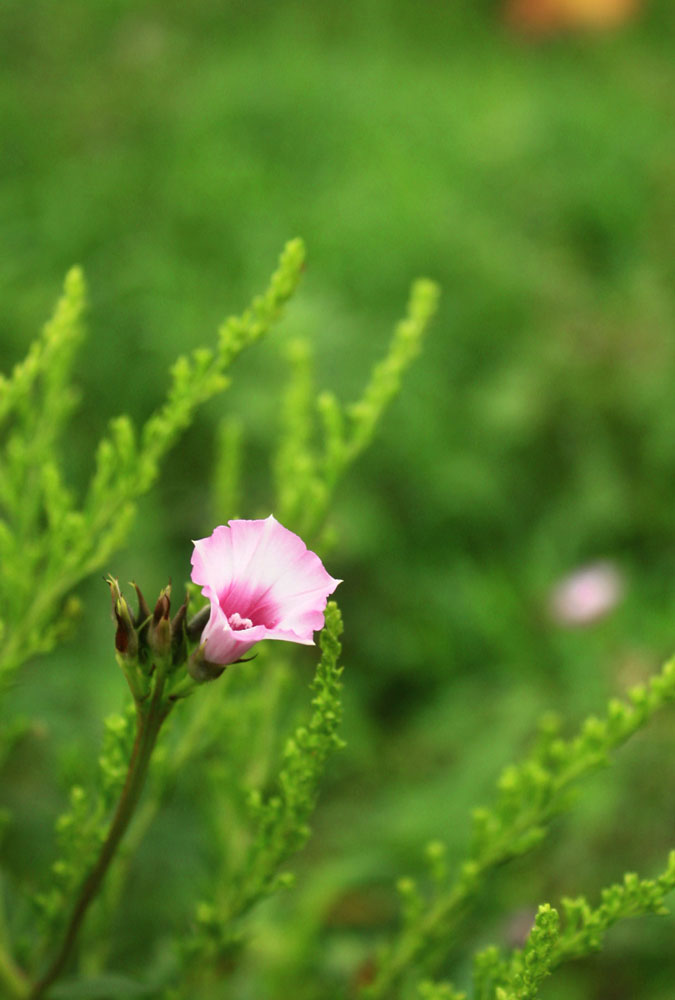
(127, 651)
(200, 669)
(126, 639)
(196, 625)
(159, 631)
(178, 635)
(142, 619)
(149, 642)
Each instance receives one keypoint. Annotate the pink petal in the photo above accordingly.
(212, 561)
(260, 570)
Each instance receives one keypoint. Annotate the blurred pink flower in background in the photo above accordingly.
(587, 594)
(263, 583)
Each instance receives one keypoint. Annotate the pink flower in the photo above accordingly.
(587, 594)
(263, 583)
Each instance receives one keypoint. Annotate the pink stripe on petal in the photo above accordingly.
(262, 552)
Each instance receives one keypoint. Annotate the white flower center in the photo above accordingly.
(237, 622)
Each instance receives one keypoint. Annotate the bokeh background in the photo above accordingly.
(522, 156)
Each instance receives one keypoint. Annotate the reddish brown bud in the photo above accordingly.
(126, 640)
(159, 632)
(162, 607)
(143, 609)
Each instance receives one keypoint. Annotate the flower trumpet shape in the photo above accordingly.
(263, 583)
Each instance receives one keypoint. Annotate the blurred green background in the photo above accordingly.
(171, 149)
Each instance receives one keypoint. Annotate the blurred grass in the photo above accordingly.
(171, 149)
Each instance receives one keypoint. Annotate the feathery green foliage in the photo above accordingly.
(279, 820)
(226, 486)
(273, 825)
(36, 518)
(519, 975)
(169, 148)
(259, 786)
(529, 795)
(307, 472)
(81, 830)
(428, 990)
(45, 535)
(68, 542)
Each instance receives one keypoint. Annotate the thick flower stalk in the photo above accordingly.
(262, 583)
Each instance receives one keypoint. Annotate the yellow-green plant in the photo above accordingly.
(256, 752)
(50, 541)
(529, 795)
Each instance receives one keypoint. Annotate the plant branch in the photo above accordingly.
(150, 717)
(12, 977)
(529, 796)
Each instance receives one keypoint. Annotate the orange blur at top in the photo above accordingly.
(550, 16)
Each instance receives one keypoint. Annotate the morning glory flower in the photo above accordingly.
(263, 583)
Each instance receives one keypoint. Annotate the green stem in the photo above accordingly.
(145, 816)
(11, 976)
(149, 721)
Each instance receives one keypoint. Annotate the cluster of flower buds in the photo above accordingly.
(148, 643)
